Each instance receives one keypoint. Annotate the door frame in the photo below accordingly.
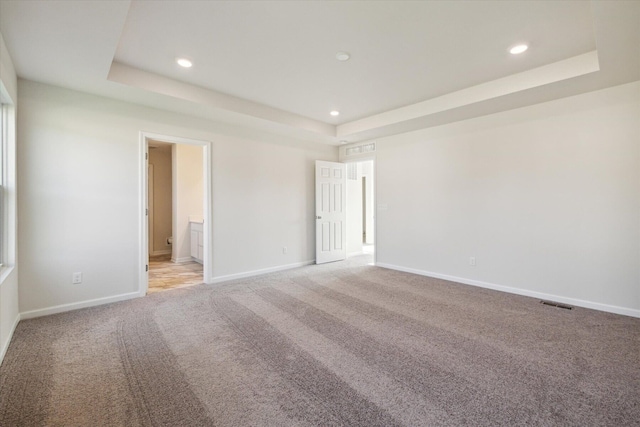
(143, 224)
(150, 200)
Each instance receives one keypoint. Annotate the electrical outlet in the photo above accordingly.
(284, 250)
(76, 279)
(472, 261)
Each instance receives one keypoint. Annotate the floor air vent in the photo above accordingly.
(556, 304)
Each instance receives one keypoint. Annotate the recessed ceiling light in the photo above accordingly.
(335, 113)
(343, 56)
(183, 62)
(518, 49)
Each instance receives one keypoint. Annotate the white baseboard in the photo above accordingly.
(182, 260)
(5, 345)
(77, 305)
(540, 295)
(226, 278)
(165, 252)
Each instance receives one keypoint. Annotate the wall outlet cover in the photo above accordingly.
(76, 278)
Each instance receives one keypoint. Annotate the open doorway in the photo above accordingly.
(175, 200)
(176, 213)
(361, 208)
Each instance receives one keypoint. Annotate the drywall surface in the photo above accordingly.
(188, 196)
(545, 198)
(8, 72)
(160, 158)
(79, 201)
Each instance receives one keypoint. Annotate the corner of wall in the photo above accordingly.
(6, 340)
(8, 75)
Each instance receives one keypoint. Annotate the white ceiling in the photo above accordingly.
(270, 65)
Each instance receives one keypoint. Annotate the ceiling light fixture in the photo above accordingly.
(183, 62)
(518, 49)
(335, 113)
(343, 56)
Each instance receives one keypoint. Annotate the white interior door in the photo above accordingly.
(331, 215)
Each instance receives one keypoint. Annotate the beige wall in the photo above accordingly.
(546, 198)
(188, 195)
(160, 158)
(79, 165)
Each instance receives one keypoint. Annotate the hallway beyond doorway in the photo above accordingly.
(360, 207)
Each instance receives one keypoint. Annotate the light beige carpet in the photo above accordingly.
(344, 344)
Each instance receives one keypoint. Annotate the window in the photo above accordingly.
(3, 143)
(8, 223)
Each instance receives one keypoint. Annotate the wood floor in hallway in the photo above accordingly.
(165, 275)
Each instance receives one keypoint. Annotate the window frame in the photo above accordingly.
(8, 202)
(4, 139)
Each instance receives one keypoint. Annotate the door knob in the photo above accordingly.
(318, 217)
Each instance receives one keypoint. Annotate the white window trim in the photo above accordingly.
(8, 202)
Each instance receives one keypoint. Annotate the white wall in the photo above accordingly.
(188, 195)
(266, 191)
(79, 196)
(8, 72)
(546, 198)
(9, 313)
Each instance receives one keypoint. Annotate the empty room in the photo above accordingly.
(319, 213)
